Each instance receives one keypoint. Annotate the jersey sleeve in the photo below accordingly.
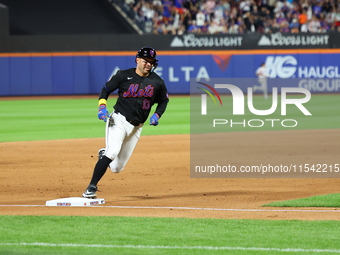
(110, 86)
(258, 71)
(162, 100)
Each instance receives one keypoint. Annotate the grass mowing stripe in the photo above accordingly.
(53, 119)
(175, 247)
(183, 232)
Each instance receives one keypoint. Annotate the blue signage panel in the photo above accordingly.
(20, 76)
(41, 73)
(86, 74)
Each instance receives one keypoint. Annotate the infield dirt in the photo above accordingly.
(158, 175)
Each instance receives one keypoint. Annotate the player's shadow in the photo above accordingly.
(184, 195)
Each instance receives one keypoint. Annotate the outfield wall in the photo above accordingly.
(82, 73)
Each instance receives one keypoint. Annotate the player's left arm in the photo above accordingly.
(266, 73)
(162, 102)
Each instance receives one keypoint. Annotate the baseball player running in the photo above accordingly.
(262, 75)
(138, 90)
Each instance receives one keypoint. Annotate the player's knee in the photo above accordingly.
(116, 170)
(116, 167)
(111, 156)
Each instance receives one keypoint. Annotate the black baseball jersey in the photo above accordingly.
(136, 94)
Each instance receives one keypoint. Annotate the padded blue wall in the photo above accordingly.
(79, 74)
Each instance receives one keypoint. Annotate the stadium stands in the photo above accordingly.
(171, 17)
(233, 16)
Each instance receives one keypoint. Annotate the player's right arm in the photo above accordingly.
(108, 88)
(258, 71)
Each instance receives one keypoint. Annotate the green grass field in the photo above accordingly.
(53, 119)
(50, 119)
(329, 200)
(129, 235)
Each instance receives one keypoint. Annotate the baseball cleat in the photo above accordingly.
(101, 153)
(90, 192)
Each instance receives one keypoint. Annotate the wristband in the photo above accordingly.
(102, 101)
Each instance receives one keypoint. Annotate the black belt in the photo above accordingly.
(132, 122)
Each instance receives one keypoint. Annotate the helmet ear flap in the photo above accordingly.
(154, 65)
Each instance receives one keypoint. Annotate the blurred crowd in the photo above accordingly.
(233, 16)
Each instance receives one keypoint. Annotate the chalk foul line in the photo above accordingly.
(128, 246)
(336, 210)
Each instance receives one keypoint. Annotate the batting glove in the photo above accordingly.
(103, 114)
(154, 119)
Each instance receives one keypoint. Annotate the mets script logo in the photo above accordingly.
(134, 91)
